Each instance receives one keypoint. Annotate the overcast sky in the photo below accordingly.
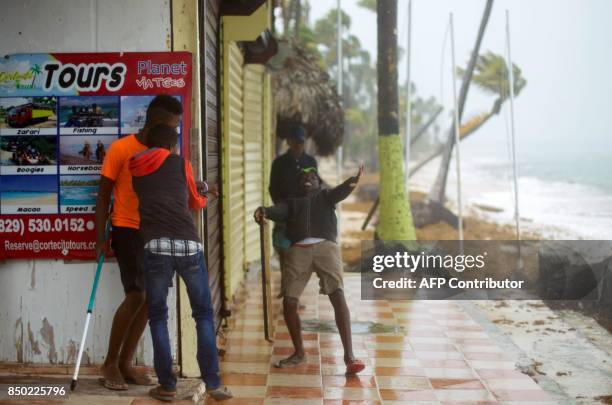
(564, 48)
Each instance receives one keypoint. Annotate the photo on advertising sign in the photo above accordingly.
(83, 154)
(134, 113)
(89, 115)
(33, 154)
(28, 115)
(28, 194)
(78, 193)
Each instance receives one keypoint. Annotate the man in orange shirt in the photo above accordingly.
(131, 317)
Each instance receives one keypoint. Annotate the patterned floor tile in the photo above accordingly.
(246, 391)
(450, 373)
(456, 384)
(293, 401)
(393, 371)
(250, 368)
(403, 382)
(244, 379)
(442, 357)
(294, 392)
(352, 394)
(356, 381)
(304, 368)
(404, 395)
(293, 380)
(464, 395)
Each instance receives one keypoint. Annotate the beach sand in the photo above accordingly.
(43, 199)
(476, 227)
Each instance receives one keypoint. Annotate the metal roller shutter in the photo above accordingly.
(209, 77)
(253, 157)
(233, 167)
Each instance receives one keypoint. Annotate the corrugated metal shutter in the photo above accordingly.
(212, 150)
(269, 137)
(253, 157)
(233, 168)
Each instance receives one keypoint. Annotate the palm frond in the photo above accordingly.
(304, 93)
(491, 75)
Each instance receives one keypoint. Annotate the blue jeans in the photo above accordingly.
(159, 271)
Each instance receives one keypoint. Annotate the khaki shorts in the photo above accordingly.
(323, 258)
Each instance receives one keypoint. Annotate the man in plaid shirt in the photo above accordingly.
(166, 192)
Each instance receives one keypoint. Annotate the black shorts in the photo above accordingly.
(128, 246)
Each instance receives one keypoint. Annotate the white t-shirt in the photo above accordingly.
(310, 241)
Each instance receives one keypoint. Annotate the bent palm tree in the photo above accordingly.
(491, 76)
(438, 190)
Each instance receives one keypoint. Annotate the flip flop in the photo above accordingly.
(160, 394)
(115, 385)
(220, 394)
(354, 366)
(290, 361)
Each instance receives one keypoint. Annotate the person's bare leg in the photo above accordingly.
(130, 344)
(123, 319)
(294, 325)
(343, 322)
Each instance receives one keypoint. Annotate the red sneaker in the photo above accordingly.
(354, 367)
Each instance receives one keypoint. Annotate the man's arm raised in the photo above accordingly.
(339, 193)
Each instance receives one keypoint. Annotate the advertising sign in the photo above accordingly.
(59, 113)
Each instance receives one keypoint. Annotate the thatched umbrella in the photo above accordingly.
(304, 94)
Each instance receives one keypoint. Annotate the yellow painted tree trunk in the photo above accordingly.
(395, 218)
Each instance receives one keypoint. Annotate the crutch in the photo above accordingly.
(92, 298)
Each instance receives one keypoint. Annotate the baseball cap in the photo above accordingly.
(297, 132)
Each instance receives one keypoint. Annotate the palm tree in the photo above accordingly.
(491, 76)
(438, 191)
(35, 71)
(395, 219)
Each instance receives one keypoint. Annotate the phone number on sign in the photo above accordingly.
(45, 225)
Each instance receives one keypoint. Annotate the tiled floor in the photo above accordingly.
(438, 355)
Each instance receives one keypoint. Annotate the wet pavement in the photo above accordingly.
(418, 352)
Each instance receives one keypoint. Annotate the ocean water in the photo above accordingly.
(13, 195)
(560, 196)
(78, 195)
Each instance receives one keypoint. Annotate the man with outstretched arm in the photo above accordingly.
(312, 229)
(131, 316)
